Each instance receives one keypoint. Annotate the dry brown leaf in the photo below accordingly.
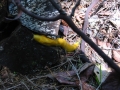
(86, 86)
(64, 80)
(105, 13)
(66, 74)
(85, 66)
(4, 73)
(67, 77)
(64, 23)
(116, 55)
(106, 47)
(86, 74)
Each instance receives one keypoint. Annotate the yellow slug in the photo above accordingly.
(56, 42)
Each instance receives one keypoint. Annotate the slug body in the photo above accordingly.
(56, 42)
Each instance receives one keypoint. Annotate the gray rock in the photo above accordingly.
(41, 8)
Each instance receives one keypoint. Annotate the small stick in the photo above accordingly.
(94, 2)
(25, 85)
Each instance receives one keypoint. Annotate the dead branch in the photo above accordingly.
(73, 9)
(93, 3)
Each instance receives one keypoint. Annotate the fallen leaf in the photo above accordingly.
(64, 80)
(64, 23)
(84, 67)
(86, 86)
(4, 73)
(116, 55)
(105, 13)
(86, 74)
(84, 77)
(105, 47)
(115, 19)
(62, 77)
(68, 76)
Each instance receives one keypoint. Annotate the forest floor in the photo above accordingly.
(72, 73)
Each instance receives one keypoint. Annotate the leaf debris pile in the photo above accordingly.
(72, 73)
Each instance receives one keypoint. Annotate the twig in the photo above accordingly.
(59, 65)
(73, 9)
(86, 22)
(51, 72)
(25, 85)
(13, 87)
(56, 4)
(30, 81)
(80, 83)
(2, 84)
(38, 77)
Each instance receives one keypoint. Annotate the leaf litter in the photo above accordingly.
(72, 73)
